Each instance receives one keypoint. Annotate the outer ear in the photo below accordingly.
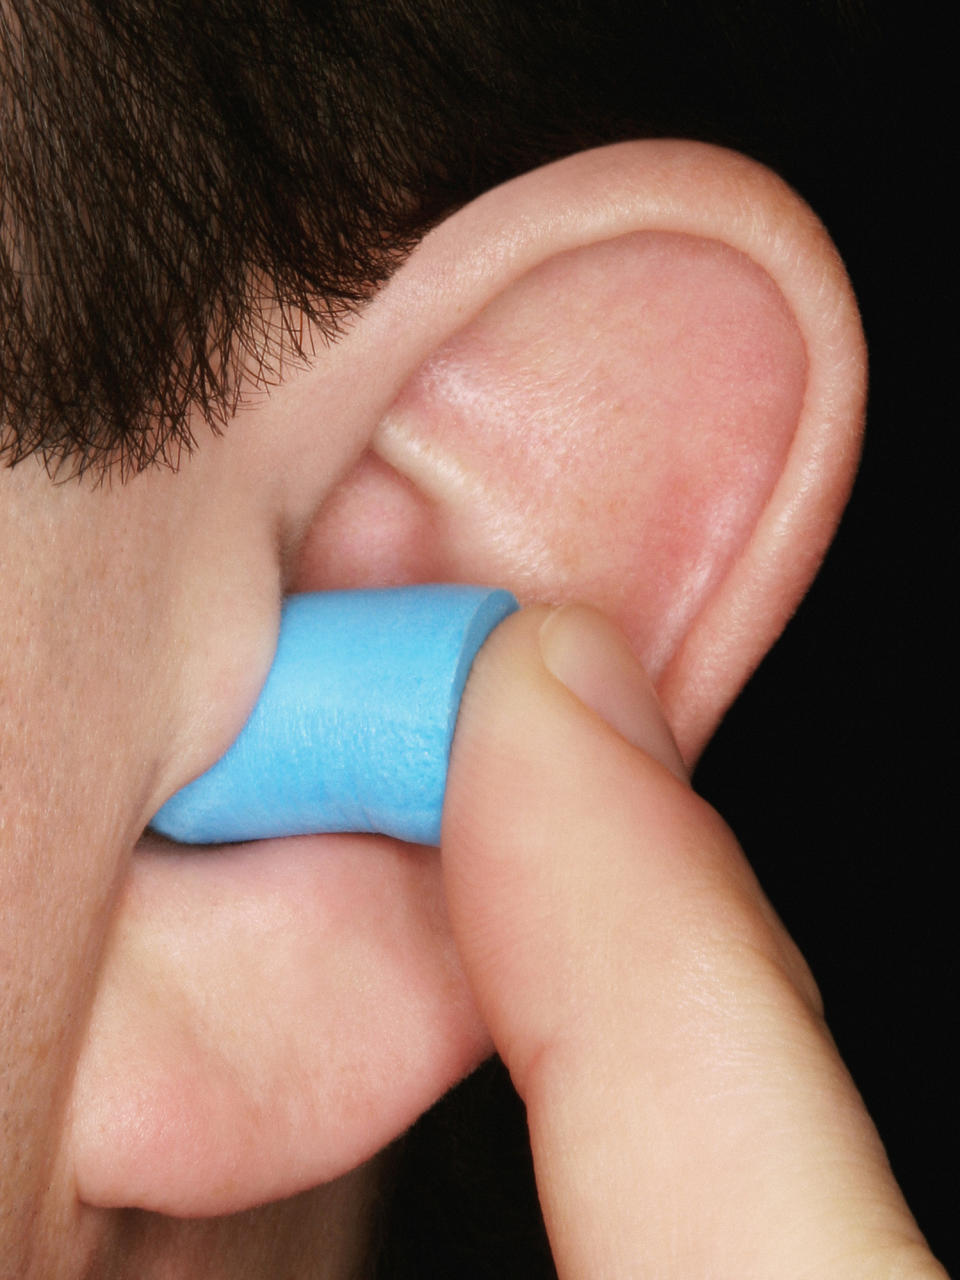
(634, 378)
(660, 417)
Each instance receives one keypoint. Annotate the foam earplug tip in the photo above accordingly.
(353, 728)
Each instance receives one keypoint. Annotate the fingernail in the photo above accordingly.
(593, 659)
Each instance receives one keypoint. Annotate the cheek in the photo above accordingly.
(100, 647)
(79, 717)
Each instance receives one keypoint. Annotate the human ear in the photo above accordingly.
(660, 417)
(634, 378)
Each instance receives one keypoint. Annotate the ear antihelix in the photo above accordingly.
(352, 730)
(649, 401)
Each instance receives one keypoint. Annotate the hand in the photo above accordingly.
(689, 1114)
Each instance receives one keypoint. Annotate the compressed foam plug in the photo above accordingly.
(353, 727)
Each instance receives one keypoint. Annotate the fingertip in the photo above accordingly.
(593, 659)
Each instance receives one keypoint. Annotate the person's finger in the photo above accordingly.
(688, 1113)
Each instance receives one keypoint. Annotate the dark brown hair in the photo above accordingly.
(170, 169)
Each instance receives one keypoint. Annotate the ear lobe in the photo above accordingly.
(659, 423)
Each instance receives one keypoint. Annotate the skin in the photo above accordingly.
(758, 1157)
(143, 1010)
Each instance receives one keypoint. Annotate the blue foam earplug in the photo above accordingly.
(352, 730)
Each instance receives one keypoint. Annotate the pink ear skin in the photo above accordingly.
(635, 379)
(661, 422)
(607, 430)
